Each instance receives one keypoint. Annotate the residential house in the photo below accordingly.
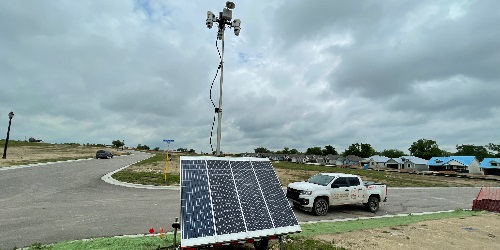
(352, 160)
(464, 164)
(266, 155)
(414, 163)
(249, 155)
(395, 163)
(277, 157)
(320, 159)
(334, 160)
(490, 166)
(298, 158)
(377, 161)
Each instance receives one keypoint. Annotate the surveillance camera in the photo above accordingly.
(210, 19)
(230, 5)
(236, 23)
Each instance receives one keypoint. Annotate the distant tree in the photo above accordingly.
(329, 150)
(495, 148)
(192, 151)
(261, 150)
(363, 150)
(284, 151)
(446, 153)
(480, 152)
(294, 151)
(142, 147)
(182, 150)
(118, 143)
(314, 151)
(425, 149)
(156, 149)
(31, 139)
(392, 153)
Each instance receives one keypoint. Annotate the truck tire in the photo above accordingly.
(373, 204)
(261, 244)
(320, 207)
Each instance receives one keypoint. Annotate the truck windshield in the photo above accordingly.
(321, 179)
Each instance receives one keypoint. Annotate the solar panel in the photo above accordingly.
(231, 199)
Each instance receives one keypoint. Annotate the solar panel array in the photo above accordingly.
(231, 199)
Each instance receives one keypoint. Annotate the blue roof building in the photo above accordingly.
(464, 164)
(490, 166)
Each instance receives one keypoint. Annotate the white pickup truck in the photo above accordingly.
(321, 191)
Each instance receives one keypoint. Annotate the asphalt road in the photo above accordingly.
(69, 201)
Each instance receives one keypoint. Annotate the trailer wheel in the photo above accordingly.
(261, 244)
(320, 206)
(373, 204)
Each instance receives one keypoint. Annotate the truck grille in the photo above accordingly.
(292, 193)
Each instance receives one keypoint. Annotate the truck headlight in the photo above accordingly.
(306, 192)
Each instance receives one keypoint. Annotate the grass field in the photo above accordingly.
(289, 172)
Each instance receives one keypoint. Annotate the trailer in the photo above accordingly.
(232, 200)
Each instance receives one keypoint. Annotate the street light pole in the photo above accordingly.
(224, 19)
(11, 115)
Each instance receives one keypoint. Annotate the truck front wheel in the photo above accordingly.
(373, 204)
(320, 206)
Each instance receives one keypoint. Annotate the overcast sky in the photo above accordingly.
(301, 74)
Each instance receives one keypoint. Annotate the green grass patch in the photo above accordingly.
(51, 160)
(149, 178)
(158, 158)
(153, 160)
(146, 178)
(348, 226)
(115, 243)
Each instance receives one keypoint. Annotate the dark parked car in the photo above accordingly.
(103, 154)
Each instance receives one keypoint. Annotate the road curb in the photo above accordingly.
(377, 217)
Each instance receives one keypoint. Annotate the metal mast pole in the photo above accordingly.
(217, 152)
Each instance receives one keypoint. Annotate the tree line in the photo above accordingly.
(422, 148)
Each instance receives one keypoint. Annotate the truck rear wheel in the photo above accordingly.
(320, 207)
(373, 204)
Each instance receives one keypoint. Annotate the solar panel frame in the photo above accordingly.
(222, 174)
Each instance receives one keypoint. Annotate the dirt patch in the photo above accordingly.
(287, 176)
(159, 167)
(478, 232)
